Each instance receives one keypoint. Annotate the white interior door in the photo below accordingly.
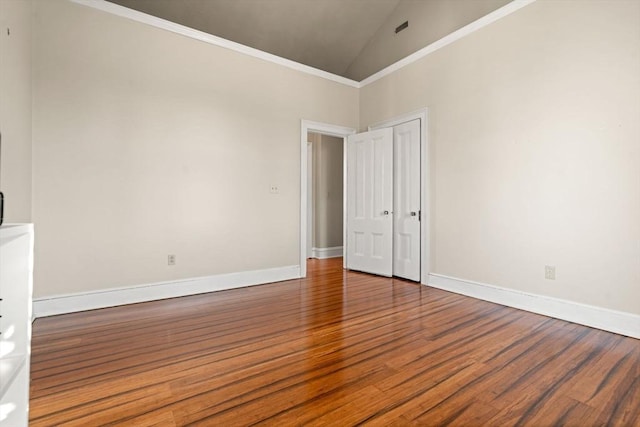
(370, 202)
(406, 202)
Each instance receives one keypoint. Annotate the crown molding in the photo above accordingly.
(492, 17)
(154, 21)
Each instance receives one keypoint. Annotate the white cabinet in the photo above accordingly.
(16, 283)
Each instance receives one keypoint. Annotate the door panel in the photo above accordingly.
(406, 204)
(370, 202)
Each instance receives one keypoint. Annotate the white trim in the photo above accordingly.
(310, 213)
(324, 253)
(307, 126)
(497, 14)
(14, 229)
(69, 303)
(344, 201)
(144, 18)
(156, 22)
(425, 226)
(618, 322)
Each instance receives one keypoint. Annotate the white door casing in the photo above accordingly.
(406, 200)
(370, 202)
(307, 126)
(309, 198)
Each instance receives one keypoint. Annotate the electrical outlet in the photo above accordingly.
(550, 272)
(274, 189)
(171, 260)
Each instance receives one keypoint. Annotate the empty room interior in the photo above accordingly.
(320, 212)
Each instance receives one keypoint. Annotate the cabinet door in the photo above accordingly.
(14, 408)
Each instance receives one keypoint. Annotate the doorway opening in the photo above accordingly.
(306, 188)
(325, 196)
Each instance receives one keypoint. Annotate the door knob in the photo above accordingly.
(385, 213)
(414, 213)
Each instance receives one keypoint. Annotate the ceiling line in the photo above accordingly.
(490, 18)
(154, 21)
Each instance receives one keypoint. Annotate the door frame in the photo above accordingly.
(425, 224)
(310, 201)
(307, 126)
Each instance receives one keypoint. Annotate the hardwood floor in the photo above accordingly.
(337, 348)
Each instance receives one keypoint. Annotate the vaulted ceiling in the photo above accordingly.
(326, 34)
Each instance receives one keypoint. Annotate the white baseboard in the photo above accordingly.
(61, 304)
(618, 322)
(322, 253)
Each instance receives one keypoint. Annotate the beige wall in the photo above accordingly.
(147, 143)
(534, 132)
(429, 21)
(15, 108)
(327, 191)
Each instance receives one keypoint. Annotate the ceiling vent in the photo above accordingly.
(402, 26)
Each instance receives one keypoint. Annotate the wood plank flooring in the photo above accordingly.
(337, 348)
